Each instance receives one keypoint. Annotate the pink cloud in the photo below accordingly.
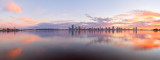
(26, 19)
(142, 13)
(12, 7)
(11, 25)
(121, 15)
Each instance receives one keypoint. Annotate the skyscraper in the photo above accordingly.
(112, 27)
(117, 28)
(79, 28)
(15, 28)
(72, 27)
(108, 28)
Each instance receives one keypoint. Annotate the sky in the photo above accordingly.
(87, 13)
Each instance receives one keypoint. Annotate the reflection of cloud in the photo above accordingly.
(15, 53)
(29, 40)
(99, 40)
(146, 44)
(142, 40)
(6, 37)
(13, 7)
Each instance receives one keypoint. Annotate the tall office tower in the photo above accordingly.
(1, 28)
(72, 27)
(136, 28)
(79, 27)
(112, 27)
(109, 28)
(101, 28)
(5, 28)
(117, 28)
(133, 28)
(106, 28)
(15, 28)
(120, 28)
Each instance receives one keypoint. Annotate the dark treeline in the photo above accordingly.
(156, 29)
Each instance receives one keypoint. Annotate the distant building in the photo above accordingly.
(79, 28)
(121, 29)
(109, 28)
(117, 28)
(15, 28)
(5, 28)
(136, 28)
(112, 27)
(1, 28)
(72, 27)
(106, 28)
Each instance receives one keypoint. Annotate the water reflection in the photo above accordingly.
(79, 45)
(13, 53)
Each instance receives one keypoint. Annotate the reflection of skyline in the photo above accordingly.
(141, 38)
(134, 39)
(16, 42)
(78, 32)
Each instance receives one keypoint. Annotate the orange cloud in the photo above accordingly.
(146, 13)
(140, 18)
(13, 7)
(26, 19)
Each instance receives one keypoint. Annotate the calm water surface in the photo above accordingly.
(80, 45)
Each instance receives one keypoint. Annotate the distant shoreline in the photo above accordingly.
(76, 30)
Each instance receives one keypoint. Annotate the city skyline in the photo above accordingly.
(62, 14)
(74, 27)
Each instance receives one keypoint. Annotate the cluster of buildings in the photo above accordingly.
(73, 27)
(9, 29)
(76, 28)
